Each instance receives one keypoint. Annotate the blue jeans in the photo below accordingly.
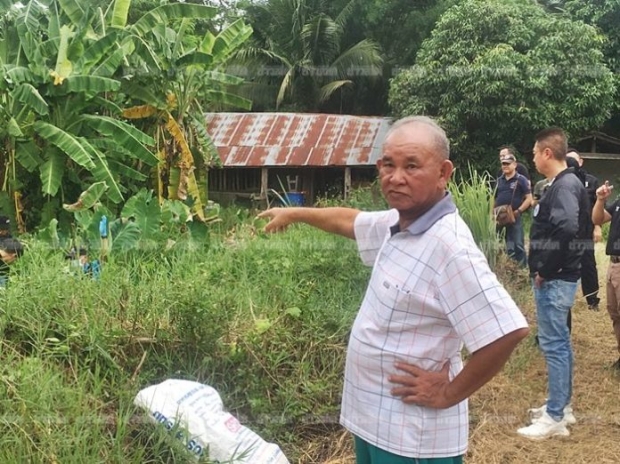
(515, 246)
(553, 301)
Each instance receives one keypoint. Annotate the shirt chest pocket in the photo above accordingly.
(404, 308)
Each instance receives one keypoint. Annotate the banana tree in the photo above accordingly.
(176, 81)
(57, 80)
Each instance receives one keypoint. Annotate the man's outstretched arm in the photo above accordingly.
(334, 220)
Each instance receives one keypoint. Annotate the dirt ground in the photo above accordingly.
(500, 407)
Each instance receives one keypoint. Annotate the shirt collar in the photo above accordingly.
(562, 173)
(427, 220)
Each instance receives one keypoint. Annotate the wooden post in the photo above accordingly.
(347, 182)
(264, 182)
(310, 199)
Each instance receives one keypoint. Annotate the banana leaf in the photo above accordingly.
(71, 146)
(163, 14)
(96, 51)
(230, 39)
(91, 84)
(29, 96)
(19, 75)
(87, 198)
(124, 134)
(30, 16)
(51, 173)
(120, 12)
(74, 9)
(28, 154)
(102, 172)
(126, 171)
(194, 58)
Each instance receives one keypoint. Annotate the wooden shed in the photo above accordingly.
(306, 156)
(601, 155)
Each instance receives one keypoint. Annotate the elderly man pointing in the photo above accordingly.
(431, 292)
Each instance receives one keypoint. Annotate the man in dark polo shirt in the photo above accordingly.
(600, 215)
(513, 189)
(507, 150)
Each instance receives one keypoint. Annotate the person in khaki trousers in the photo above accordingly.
(600, 215)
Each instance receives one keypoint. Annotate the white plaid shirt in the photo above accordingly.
(431, 291)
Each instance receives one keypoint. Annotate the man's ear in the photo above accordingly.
(446, 169)
(379, 163)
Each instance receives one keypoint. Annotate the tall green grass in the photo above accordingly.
(474, 200)
(263, 319)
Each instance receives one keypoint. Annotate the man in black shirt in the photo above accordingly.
(559, 223)
(589, 273)
(600, 215)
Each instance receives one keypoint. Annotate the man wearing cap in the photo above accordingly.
(521, 168)
(513, 189)
(10, 249)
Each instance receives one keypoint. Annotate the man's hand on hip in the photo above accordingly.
(424, 388)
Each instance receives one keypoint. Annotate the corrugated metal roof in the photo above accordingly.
(296, 139)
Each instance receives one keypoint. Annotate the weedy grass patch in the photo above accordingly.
(264, 319)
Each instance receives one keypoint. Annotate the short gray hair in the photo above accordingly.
(442, 144)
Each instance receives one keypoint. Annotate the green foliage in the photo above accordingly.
(474, 201)
(398, 26)
(298, 55)
(142, 228)
(60, 93)
(495, 72)
(605, 14)
(367, 198)
(263, 319)
(56, 87)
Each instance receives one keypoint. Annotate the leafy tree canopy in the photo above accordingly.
(299, 58)
(398, 26)
(605, 14)
(495, 72)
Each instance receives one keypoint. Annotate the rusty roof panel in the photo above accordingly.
(296, 139)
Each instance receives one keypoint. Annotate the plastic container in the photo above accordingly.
(295, 198)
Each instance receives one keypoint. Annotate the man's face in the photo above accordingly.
(413, 176)
(540, 158)
(509, 167)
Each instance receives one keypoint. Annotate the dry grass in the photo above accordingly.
(500, 407)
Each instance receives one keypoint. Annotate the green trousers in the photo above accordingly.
(368, 454)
